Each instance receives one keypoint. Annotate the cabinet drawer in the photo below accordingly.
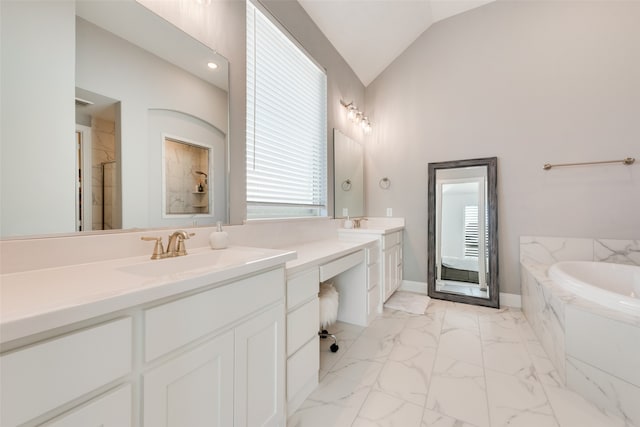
(390, 240)
(111, 410)
(172, 325)
(44, 376)
(302, 287)
(373, 255)
(336, 267)
(373, 276)
(302, 324)
(302, 367)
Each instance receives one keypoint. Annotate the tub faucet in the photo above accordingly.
(176, 246)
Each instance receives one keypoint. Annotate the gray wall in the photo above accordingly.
(530, 83)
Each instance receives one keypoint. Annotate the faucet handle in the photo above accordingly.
(158, 249)
(182, 249)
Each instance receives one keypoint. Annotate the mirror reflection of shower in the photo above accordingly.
(186, 186)
(98, 200)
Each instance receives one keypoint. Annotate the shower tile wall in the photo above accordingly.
(181, 162)
(103, 150)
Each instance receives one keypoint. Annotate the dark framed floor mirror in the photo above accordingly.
(463, 231)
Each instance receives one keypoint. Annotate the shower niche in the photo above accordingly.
(186, 177)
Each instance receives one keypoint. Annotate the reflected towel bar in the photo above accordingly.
(626, 161)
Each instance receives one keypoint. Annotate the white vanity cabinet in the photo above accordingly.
(392, 264)
(45, 375)
(303, 347)
(373, 280)
(214, 356)
(389, 257)
(229, 361)
(232, 379)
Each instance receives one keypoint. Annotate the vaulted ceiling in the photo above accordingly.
(370, 34)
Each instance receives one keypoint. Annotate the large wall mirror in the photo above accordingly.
(136, 79)
(348, 176)
(463, 231)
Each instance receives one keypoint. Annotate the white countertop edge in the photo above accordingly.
(377, 230)
(314, 254)
(30, 323)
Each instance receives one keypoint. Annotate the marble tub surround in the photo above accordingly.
(456, 365)
(549, 250)
(593, 348)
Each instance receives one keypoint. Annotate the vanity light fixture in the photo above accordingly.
(357, 116)
(212, 65)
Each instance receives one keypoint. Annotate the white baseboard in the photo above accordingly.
(508, 300)
(412, 286)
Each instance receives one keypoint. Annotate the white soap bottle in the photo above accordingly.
(348, 223)
(218, 239)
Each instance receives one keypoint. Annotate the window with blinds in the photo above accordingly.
(286, 125)
(471, 231)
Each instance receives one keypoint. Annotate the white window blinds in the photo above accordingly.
(471, 231)
(286, 125)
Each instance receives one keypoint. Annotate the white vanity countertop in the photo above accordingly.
(39, 300)
(377, 230)
(375, 225)
(320, 252)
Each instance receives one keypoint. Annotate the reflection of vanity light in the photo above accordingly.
(351, 115)
(212, 65)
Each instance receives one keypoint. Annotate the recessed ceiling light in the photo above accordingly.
(212, 65)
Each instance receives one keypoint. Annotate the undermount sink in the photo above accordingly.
(198, 260)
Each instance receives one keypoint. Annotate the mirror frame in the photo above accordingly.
(492, 195)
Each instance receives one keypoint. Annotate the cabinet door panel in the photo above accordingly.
(389, 273)
(111, 410)
(194, 389)
(260, 370)
(302, 325)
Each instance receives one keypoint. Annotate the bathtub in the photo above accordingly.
(580, 297)
(616, 286)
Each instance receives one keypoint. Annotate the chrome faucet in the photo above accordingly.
(176, 246)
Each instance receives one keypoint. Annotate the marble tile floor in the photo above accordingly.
(455, 366)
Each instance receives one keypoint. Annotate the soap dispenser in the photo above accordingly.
(218, 239)
(348, 223)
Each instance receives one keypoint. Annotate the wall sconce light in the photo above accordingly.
(357, 116)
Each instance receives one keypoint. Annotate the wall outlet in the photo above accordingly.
(345, 211)
(389, 212)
